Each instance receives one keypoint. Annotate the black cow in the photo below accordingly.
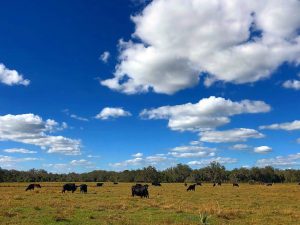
(115, 182)
(214, 184)
(235, 184)
(140, 190)
(83, 188)
(185, 184)
(299, 183)
(269, 184)
(191, 187)
(199, 183)
(99, 184)
(69, 187)
(156, 184)
(32, 186)
(219, 183)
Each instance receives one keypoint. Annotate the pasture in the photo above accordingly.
(168, 204)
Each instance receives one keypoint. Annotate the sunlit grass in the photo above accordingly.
(169, 204)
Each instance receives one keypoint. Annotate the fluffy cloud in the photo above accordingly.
(104, 56)
(263, 149)
(234, 41)
(280, 161)
(10, 162)
(32, 129)
(141, 161)
(191, 148)
(81, 164)
(191, 154)
(289, 126)
(234, 135)
(240, 147)
(109, 112)
(205, 162)
(19, 150)
(11, 77)
(195, 143)
(137, 155)
(292, 84)
(208, 113)
(191, 151)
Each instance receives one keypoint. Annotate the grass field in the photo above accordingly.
(169, 204)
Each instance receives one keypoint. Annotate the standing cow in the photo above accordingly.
(69, 187)
(235, 184)
(156, 184)
(99, 184)
(140, 190)
(32, 186)
(199, 183)
(191, 187)
(83, 188)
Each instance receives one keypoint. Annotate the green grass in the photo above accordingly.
(169, 204)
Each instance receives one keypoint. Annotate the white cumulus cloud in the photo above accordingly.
(289, 126)
(19, 150)
(234, 135)
(104, 56)
(138, 155)
(240, 147)
(292, 84)
(262, 149)
(280, 161)
(12, 162)
(32, 129)
(238, 41)
(205, 162)
(141, 161)
(109, 112)
(208, 113)
(11, 77)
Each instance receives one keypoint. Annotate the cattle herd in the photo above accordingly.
(136, 190)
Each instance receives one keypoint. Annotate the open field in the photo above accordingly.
(169, 204)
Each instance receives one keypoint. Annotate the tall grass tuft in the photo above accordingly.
(204, 217)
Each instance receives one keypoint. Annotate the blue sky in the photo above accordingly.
(118, 84)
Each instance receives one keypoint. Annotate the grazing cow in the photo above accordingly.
(299, 183)
(69, 187)
(156, 184)
(185, 184)
(99, 184)
(83, 188)
(32, 186)
(140, 190)
(199, 183)
(115, 182)
(235, 184)
(191, 187)
(269, 184)
(214, 184)
(219, 183)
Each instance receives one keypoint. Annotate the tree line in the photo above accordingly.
(214, 172)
